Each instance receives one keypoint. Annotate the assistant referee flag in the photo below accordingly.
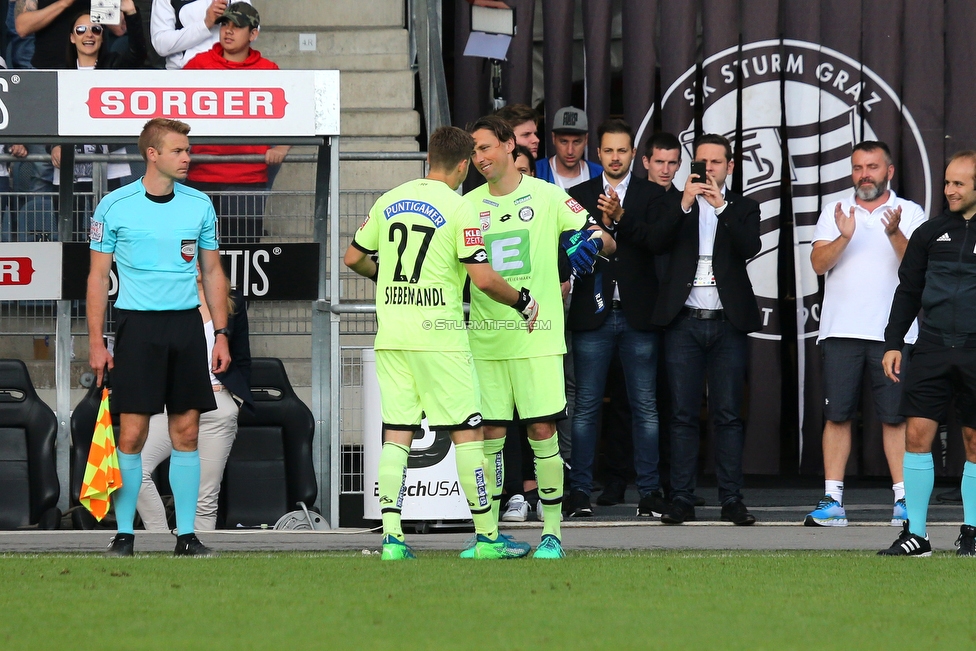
(102, 475)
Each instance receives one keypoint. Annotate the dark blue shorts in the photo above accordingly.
(845, 362)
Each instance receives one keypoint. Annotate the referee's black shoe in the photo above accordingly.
(966, 542)
(908, 544)
(189, 545)
(121, 545)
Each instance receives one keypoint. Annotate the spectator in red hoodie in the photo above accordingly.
(238, 190)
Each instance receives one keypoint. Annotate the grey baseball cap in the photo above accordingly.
(570, 119)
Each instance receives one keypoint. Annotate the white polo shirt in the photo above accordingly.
(859, 288)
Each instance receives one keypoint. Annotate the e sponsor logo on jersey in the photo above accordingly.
(509, 253)
(574, 205)
(485, 220)
(188, 249)
(522, 200)
(472, 237)
(526, 214)
(831, 101)
(490, 203)
(365, 221)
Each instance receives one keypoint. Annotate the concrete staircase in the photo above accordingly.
(368, 42)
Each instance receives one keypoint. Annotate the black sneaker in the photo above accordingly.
(579, 505)
(190, 545)
(966, 542)
(737, 513)
(679, 513)
(121, 545)
(908, 544)
(653, 505)
(613, 493)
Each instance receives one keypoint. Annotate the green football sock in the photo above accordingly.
(549, 474)
(470, 458)
(495, 471)
(392, 485)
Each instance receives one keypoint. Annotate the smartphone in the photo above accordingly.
(698, 169)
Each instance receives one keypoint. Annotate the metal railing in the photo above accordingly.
(288, 217)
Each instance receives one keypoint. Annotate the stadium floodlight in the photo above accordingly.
(492, 30)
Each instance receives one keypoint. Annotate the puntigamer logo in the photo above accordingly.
(822, 93)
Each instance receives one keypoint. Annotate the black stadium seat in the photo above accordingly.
(28, 459)
(270, 466)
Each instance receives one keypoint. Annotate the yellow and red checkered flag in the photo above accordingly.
(102, 474)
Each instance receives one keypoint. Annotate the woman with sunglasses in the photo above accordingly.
(85, 51)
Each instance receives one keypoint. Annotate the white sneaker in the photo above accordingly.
(517, 511)
(539, 513)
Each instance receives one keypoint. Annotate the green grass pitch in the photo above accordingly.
(606, 600)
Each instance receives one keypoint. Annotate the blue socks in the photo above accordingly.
(969, 494)
(919, 479)
(184, 479)
(130, 466)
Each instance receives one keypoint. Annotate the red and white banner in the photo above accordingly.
(283, 103)
(30, 271)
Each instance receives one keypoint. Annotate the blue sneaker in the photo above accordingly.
(549, 548)
(396, 550)
(829, 513)
(899, 514)
(500, 548)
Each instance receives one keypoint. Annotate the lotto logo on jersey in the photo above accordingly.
(574, 205)
(472, 237)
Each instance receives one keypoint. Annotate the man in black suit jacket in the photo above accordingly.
(610, 312)
(707, 306)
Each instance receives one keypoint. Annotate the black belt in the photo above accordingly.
(704, 315)
(615, 304)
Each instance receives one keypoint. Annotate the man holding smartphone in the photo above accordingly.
(707, 307)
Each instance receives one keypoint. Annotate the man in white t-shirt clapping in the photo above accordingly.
(858, 245)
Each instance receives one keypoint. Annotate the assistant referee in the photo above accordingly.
(157, 229)
(938, 275)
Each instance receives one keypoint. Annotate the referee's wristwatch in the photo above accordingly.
(222, 331)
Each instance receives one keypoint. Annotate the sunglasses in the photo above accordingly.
(95, 29)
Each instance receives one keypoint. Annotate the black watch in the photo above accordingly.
(222, 331)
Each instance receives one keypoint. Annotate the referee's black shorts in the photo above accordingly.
(937, 375)
(161, 359)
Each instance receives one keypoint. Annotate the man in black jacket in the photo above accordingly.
(611, 311)
(707, 304)
(938, 276)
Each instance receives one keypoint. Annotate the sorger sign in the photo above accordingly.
(252, 103)
(182, 104)
(30, 270)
